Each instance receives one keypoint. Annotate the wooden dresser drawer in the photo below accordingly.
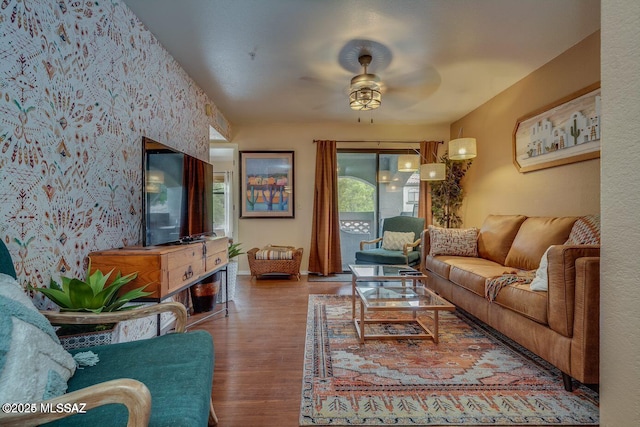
(166, 269)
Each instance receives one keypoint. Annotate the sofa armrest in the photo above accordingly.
(87, 318)
(562, 285)
(585, 346)
(131, 393)
(425, 247)
(369, 242)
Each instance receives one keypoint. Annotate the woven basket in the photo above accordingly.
(259, 267)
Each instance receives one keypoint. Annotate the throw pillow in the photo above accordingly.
(453, 241)
(33, 364)
(395, 240)
(585, 231)
(541, 281)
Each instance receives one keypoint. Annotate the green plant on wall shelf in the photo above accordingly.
(447, 195)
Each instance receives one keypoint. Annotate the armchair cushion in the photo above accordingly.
(33, 364)
(176, 368)
(395, 240)
(383, 256)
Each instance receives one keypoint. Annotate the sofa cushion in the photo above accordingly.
(522, 300)
(585, 231)
(177, 369)
(541, 280)
(33, 364)
(472, 273)
(438, 265)
(496, 236)
(535, 235)
(453, 241)
(395, 240)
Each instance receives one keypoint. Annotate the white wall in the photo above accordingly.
(299, 138)
(620, 278)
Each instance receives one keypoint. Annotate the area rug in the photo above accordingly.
(338, 277)
(473, 377)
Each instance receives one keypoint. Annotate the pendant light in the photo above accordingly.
(462, 148)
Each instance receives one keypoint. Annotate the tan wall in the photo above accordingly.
(493, 184)
(619, 296)
(299, 138)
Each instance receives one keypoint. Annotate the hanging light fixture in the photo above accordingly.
(384, 174)
(432, 172)
(408, 163)
(364, 92)
(462, 148)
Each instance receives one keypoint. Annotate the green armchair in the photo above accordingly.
(408, 254)
(161, 381)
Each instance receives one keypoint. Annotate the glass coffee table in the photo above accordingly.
(382, 275)
(392, 288)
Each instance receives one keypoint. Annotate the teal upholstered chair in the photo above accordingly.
(377, 254)
(161, 381)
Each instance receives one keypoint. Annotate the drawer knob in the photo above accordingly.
(188, 274)
(218, 260)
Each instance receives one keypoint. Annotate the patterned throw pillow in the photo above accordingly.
(453, 241)
(585, 231)
(395, 240)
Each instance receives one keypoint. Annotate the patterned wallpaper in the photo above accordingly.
(80, 83)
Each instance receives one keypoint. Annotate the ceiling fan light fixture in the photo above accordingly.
(364, 92)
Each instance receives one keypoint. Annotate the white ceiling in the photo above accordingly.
(292, 60)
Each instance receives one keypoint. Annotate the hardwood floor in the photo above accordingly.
(259, 351)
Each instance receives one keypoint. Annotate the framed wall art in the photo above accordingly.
(564, 132)
(266, 181)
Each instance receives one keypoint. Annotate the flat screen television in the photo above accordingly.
(177, 202)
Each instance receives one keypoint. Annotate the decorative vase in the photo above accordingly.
(204, 294)
(232, 274)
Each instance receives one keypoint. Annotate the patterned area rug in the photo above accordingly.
(473, 377)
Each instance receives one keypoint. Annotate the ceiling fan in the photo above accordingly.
(365, 92)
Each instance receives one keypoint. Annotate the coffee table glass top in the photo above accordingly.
(401, 297)
(364, 271)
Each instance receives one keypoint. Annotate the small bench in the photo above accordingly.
(275, 259)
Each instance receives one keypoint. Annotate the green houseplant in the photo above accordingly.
(447, 195)
(235, 250)
(91, 294)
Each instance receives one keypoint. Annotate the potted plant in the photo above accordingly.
(232, 268)
(447, 195)
(94, 295)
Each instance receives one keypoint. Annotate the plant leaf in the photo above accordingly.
(58, 297)
(81, 295)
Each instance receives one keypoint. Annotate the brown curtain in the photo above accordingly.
(325, 257)
(428, 154)
(198, 200)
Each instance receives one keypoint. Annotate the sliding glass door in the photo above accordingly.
(370, 189)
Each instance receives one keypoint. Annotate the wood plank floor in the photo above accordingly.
(259, 351)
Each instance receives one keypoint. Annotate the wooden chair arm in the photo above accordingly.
(406, 247)
(368, 242)
(87, 318)
(131, 393)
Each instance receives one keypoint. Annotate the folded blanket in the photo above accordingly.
(492, 286)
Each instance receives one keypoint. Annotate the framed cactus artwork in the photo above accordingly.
(267, 184)
(564, 132)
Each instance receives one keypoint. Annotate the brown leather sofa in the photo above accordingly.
(561, 325)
